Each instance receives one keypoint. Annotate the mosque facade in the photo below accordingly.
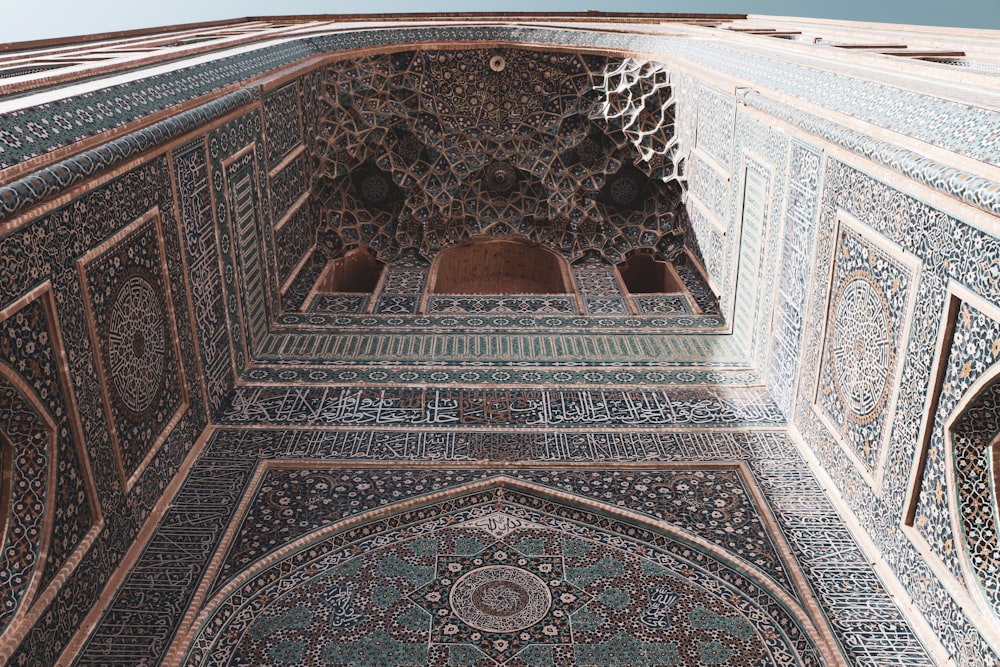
(501, 339)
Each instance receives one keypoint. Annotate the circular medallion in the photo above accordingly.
(501, 177)
(862, 346)
(624, 191)
(500, 598)
(375, 188)
(136, 343)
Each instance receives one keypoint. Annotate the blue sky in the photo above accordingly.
(25, 19)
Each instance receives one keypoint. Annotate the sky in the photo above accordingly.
(39, 19)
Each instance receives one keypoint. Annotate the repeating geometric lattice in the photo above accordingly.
(420, 150)
(639, 108)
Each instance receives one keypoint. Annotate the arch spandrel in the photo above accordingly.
(505, 572)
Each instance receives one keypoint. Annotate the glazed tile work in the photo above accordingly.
(134, 329)
(38, 438)
(212, 459)
(347, 406)
(202, 253)
(521, 593)
(716, 116)
(866, 321)
(957, 469)
(950, 251)
(805, 166)
(499, 519)
(94, 356)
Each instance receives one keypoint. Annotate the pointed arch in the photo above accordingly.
(27, 433)
(235, 611)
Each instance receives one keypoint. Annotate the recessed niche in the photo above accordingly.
(356, 271)
(644, 274)
(499, 266)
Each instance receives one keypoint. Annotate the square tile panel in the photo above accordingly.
(867, 321)
(132, 326)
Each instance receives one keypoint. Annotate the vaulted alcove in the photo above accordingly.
(499, 266)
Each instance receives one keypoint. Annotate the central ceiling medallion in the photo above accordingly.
(501, 177)
(497, 61)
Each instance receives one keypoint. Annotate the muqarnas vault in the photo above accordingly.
(528, 340)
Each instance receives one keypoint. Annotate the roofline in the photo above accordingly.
(569, 17)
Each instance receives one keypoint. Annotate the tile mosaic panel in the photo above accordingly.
(333, 406)
(310, 90)
(952, 469)
(762, 166)
(598, 286)
(604, 305)
(662, 304)
(974, 451)
(553, 324)
(29, 458)
(295, 296)
(712, 244)
(755, 218)
(949, 250)
(519, 375)
(338, 303)
(499, 542)
(244, 200)
(131, 311)
(595, 278)
(282, 122)
(717, 505)
(394, 304)
(401, 291)
(866, 623)
(527, 304)
(319, 357)
(292, 242)
(52, 515)
(202, 252)
(287, 187)
(793, 285)
(240, 196)
(694, 282)
(30, 350)
(709, 187)
(716, 118)
(866, 327)
(686, 91)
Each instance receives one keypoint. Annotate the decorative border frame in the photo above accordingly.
(38, 601)
(965, 593)
(130, 479)
(874, 477)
